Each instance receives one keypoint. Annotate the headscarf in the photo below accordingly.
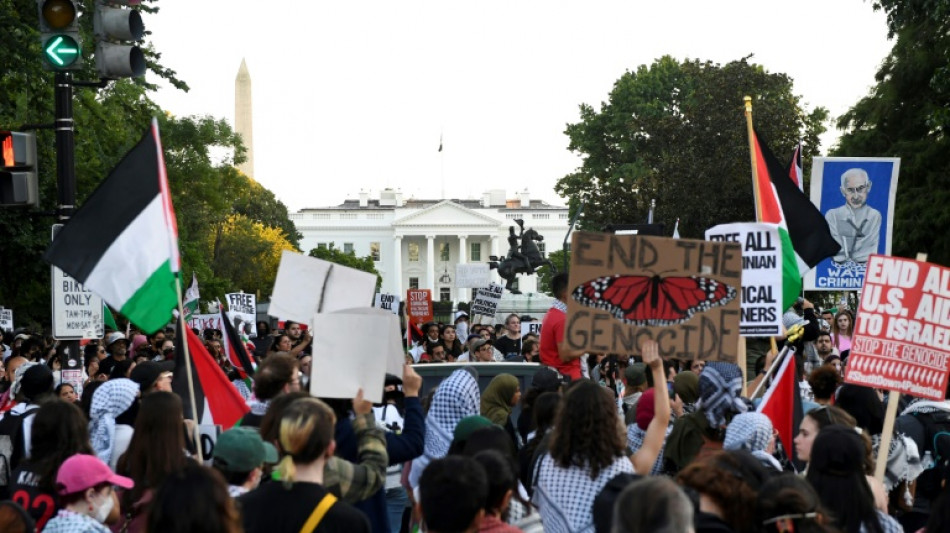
(111, 399)
(456, 398)
(496, 401)
(686, 385)
(719, 387)
(645, 408)
(18, 377)
(751, 432)
(137, 341)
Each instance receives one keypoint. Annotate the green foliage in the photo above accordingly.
(334, 255)
(560, 258)
(674, 131)
(907, 115)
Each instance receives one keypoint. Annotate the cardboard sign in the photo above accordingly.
(389, 302)
(473, 275)
(242, 312)
(486, 301)
(6, 319)
(307, 285)
(419, 305)
(354, 349)
(857, 196)
(902, 333)
(683, 293)
(761, 302)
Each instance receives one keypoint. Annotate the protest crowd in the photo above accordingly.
(595, 442)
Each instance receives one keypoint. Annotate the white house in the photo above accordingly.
(417, 243)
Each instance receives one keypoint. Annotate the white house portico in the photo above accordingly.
(418, 243)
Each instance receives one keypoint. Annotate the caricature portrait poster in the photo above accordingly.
(857, 197)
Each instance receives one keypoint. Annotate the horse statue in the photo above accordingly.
(524, 256)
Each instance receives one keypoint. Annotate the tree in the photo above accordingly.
(247, 254)
(907, 115)
(559, 258)
(334, 255)
(674, 131)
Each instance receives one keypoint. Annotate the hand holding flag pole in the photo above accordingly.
(792, 335)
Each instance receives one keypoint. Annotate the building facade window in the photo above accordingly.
(348, 248)
(444, 251)
(321, 245)
(413, 252)
(413, 283)
(476, 251)
(374, 250)
(541, 248)
(445, 294)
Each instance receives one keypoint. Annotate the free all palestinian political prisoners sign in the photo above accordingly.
(902, 333)
(761, 302)
(682, 293)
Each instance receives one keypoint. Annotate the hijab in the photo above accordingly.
(496, 401)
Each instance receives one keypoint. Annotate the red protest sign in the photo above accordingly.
(902, 335)
(419, 305)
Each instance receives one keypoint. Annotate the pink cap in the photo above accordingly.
(81, 472)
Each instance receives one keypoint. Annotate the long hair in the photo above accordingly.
(837, 331)
(193, 499)
(586, 429)
(157, 449)
(836, 471)
(59, 431)
(790, 499)
(306, 431)
(732, 480)
(455, 349)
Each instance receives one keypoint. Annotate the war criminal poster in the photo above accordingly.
(682, 293)
(857, 197)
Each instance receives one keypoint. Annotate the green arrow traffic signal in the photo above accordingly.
(61, 50)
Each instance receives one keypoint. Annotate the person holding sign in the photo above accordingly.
(587, 450)
(554, 351)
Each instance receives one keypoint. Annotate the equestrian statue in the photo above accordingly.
(524, 256)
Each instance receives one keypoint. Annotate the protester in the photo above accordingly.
(276, 375)
(498, 399)
(544, 410)
(153, 376)
(299, 499)
(240, 455)
(502, 484)
(636, 431)
(509, 343)
(281, 344)
(193, 499)
(59, 432)
(66, 392)
(842, 330)
(728, 483)
(14, 519)
(452, 495)
(836, 471)
(451, 343)
(753, 432)
(110, 438)
(461, 324)
(787, 503)
(85, 486)
(544, 380)
(653, 504)
(157, 450)
(33, 385)
(686, 391)
(554, 350)
(588, 449)
(824, 381)
(118, 347)
(864, 404)
(635, 383)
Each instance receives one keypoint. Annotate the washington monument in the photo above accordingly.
(243, 123)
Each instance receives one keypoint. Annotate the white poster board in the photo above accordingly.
(761, 302)
(486, 301)
(6, 319)
(306, 286)
(389, 302)
(242, 312)
(354, 349)
(472, 275)
(206, 321)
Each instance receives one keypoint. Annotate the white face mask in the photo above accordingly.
(103, 510)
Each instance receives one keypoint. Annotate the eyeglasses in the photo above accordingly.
(856, 190)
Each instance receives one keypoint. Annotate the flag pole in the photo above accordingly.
(752, 158)
(183, 336)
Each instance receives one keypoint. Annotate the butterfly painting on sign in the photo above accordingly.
(680, 292)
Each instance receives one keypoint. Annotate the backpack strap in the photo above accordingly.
(318, 513)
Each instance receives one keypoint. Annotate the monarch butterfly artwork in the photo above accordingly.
(653, 300)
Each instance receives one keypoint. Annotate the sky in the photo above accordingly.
(352, 96)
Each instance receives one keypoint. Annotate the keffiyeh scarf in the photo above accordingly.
(456, 398)
(110, 400)
(565, 496)
(635, 437)
(719, 387)
(18, 377)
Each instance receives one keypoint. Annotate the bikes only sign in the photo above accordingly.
(902, 333)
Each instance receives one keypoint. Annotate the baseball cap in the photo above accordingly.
(114, 337)
(460, 314)
(242, 450)
(479, 343)
(147, 373)
(81, 472)
(473, 336)
(636, 374)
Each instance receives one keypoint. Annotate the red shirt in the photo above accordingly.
(552, 332)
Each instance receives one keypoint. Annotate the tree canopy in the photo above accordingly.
(211, 197)
(674, 131)
(334, 255)
(907, 115)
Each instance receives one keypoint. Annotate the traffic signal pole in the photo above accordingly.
(65, 147)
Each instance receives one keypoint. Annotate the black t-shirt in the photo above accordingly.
(25, 491)
(508, 347)
(272, 508)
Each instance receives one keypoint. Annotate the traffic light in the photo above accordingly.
(59, 34)
(19, 181)
(117, 28)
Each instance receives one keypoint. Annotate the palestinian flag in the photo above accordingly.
(235, 349)
(806, 238)
(122, 243)
(192, 295)
(783, 405)
(795, 172)
(217, 400)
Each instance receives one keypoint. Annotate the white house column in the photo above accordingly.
(494, 245)
(397, 266)
(430, 265)
(461, 294)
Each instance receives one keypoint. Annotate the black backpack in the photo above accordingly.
(931, 433)
(11, 443)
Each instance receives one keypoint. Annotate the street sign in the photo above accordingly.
(77, 312)
(61, 50)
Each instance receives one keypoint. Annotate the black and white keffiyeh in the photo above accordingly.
(565, 496)
(110, 400)
(456, 398)
(635, 437)
(720, 385)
